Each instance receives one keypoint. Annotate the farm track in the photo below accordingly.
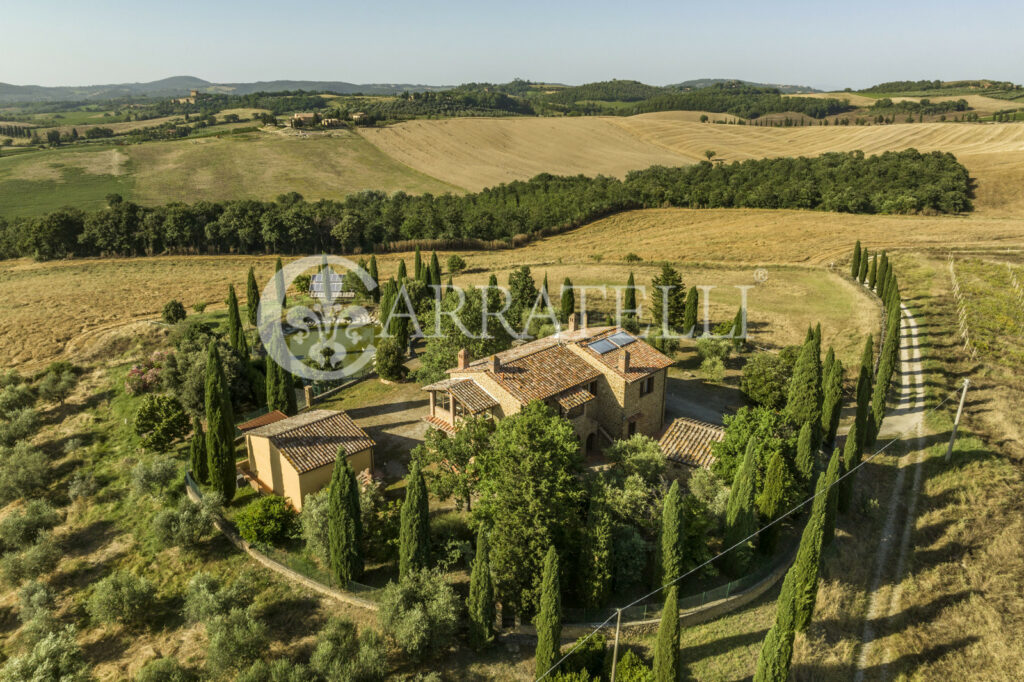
(907, 417)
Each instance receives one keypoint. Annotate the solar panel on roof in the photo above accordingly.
(603, 346)
(621, 339)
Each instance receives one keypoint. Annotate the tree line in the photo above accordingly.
(745, 101)
(893, 182)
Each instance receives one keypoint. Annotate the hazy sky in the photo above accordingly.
(823, 43)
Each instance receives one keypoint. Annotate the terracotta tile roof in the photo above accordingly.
(262, 420)
(470, 394)
(438, 423)
(643, 358)
(540, 373)
(688, 441)
(311, 440)
(574, 397)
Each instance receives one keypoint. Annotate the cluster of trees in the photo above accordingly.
(277, 103)
(741, 100)
(893, 182)
(606, 91)
(924, 107)
(16, 131)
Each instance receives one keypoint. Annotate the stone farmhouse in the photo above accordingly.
(605, 381)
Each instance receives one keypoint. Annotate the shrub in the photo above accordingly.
(341, 654)
(147, 376)
(15, 397)
(713, 369)
(83, 485)
(281, 670)
(56, 657)
(381, 519)
(420, 613)
(23, 471)
(235, 641)
(708, 347)
(206, 598)
(632, 258)
(164, 670)
(456, 264)
(185, 527)
(160, 421)
(23, 527)
(199, 306)
(388, 359)
(766, 377)
(631, 668)
(313, 520)
(57, 383)
(266, 521)
(37, 560)
(709, 490)
(18, 426)
(120, 597)
(589, 657)
(35, 610)
(173, 312)
(153, 475)
(666, 344)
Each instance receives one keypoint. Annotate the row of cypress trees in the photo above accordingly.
(799, 589)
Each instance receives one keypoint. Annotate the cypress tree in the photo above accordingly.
(270, 382)
(808, 557)
(375, 276)
(739, 335)
(740, 515)
(630, 296)
(435, 269)
(402, 274)
(279, 282)
(543, 287)
(672, 534)
(690, 312)
(867, 364)
(666, 649)
(236, 332)
(597, 555)
(851, 457)
(482, 612)
(417, 265)
(548, 622)
(805, 453)
(863, 273)
(344, 525)
(873, 272)
(882, 277)
(832, 401)
(855, 263)
(220, 428)
(777, 649)
(804, 401)
(835, 466)
(568, 306)
(771, 500)
(252, 298)
(816, 335)
(197, 453)
(414, 534)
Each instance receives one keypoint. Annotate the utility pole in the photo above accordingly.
(615, 648)
(956, 422)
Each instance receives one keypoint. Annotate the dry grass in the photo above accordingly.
(261, 166)
(476, 153)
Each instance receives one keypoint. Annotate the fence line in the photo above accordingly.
(961, 307)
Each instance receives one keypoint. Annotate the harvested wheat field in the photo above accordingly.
(478, 152)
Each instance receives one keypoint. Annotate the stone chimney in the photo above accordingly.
(463, 358)
(495, 364)
(574, 322)
(624, 362)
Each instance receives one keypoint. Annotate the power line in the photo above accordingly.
(741, 542)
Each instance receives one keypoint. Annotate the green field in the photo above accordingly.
(250, 165)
